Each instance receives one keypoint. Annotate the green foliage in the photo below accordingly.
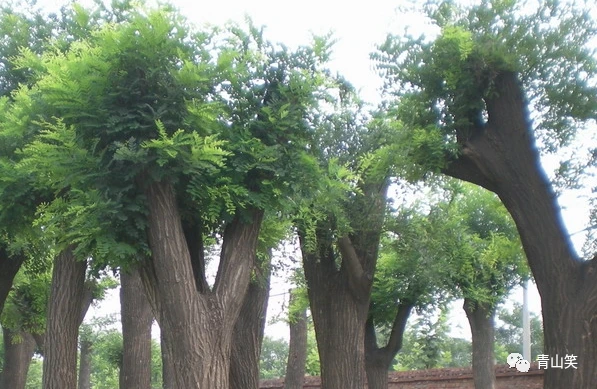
(484, 256)
(441, 80)
(508, 333)
(274, 356)
(425, 344)
(130, 94)
(26, 306)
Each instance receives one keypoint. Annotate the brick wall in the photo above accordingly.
(441, 379)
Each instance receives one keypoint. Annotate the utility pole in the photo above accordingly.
(526, 323)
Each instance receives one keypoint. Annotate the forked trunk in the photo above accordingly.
(248, 332)
(67, 296)
(378, 360)
(197, 328)
(339, 274)
(18, 351)
(502, 157)
(480, 319)
(297, 350)
(136, 318)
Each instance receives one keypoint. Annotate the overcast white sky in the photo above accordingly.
(358, 27)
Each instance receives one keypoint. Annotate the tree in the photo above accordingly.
(465, 99)
(18, 351)
(408, 276)
(339, 231)
(297, 349)
(484, 261)
(167, 94)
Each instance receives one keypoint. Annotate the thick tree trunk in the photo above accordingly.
(502, 157)
(18, 351)
(64, 317)
(136, 318)
(379, 359)
(248, 332)
(297, 350)
(85, 364)
(9, 267)
(197, 327)
(339, 318)
(339, 292)
(480, 319)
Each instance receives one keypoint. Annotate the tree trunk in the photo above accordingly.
(379, 359)
(502, 157)
(18, 351)
(136, 318)
(167, 367)
(248, 332)
(480, 319)
(197, 327)
(339, 317)
(85, 364)
(297, 351)
(9, 267)
(339, 274)
(64, 317)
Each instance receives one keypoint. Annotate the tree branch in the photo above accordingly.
(237, 257)
(358, 280)
(395, 342)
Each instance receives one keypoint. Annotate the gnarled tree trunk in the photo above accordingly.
(67, 296)
(481, 320)
(136, 318)
(502, 157)
(18, 351)
(248, 332)
(339, 275)
(197, 327)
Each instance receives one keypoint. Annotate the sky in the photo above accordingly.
(357, 27)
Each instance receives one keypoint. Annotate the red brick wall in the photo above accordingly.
(442, 379)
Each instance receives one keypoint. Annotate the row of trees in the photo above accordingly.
(130, 140)
(427, 344)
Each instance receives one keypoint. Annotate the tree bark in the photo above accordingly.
(379, 359)
(9, 267)
(339, 293)
(67, 296)
(297, 351)
(167, 366)
(502, 157)
(248, 332)
(85, 364)
(197, 327)
(136, 318)
(481, 320)
(17, 358)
